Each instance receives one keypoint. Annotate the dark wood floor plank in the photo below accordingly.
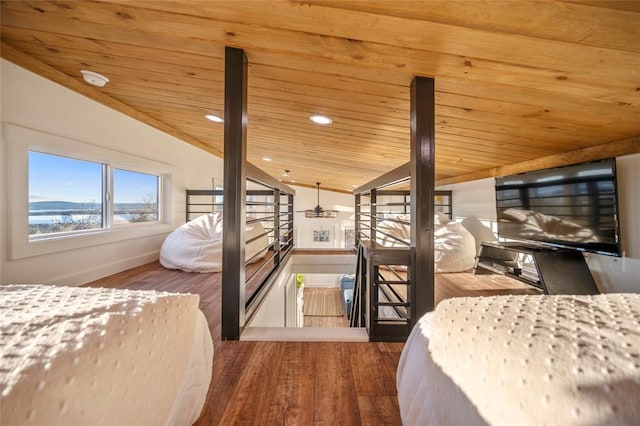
(334, 385)
(229, 363)
(254, 392)
(368, 371)
(297, 378)
(379, 410)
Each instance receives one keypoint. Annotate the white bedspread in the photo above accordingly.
(525, 360)
(87, 356)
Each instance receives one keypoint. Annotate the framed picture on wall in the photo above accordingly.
(322, 235)
(350, 238)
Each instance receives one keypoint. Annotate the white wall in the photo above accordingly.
(476, 198)
(36, 103)
(615, 274)
(322, 280)
(612, 274)
(307, 198)
(277, 304)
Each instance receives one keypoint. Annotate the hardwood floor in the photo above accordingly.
(298, 382)
(312, 321)
(465, 284)
(323, 307)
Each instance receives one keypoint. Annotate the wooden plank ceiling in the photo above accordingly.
(516, 81)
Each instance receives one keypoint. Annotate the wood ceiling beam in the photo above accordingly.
(592, 153)
(13, 55)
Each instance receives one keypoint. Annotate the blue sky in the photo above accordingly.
(53, 178)
(132, 187)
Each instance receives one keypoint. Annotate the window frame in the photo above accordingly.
(35, 237)
(21, 140)
(109, 197)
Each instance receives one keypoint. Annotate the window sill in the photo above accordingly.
(58, 243)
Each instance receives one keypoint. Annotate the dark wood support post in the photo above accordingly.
(422, 298)
(235, 155)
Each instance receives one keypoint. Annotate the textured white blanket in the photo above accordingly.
(556, 360)
(99, 356)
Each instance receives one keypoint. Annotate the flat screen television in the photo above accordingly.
(572, 207)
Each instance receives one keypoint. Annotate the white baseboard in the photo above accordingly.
(306, 334)
(78, 278)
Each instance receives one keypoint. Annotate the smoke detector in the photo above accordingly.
(94, 79)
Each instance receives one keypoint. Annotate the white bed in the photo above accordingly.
(526, 360)
(90, 356)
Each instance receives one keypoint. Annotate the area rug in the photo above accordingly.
(323, 302)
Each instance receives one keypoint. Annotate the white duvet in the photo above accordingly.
(196, 246)
(90, 356)
(524, 360)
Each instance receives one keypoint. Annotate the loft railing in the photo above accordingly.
(392, 205)
(269, 214)
(383, 301)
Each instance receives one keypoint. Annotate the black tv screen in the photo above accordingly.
(572, 207)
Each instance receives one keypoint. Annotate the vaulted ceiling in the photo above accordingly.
(517, 82)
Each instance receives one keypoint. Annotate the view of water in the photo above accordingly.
(57, 218)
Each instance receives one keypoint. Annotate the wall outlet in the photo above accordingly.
(616, 264)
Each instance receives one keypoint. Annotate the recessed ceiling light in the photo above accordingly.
(292, 181)
(213, 118)
(354, 186)
(93, 78)
(321, 119)
(266, 159)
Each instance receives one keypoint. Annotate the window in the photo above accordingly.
(64, 194)
(135, 197)
(67, 195)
